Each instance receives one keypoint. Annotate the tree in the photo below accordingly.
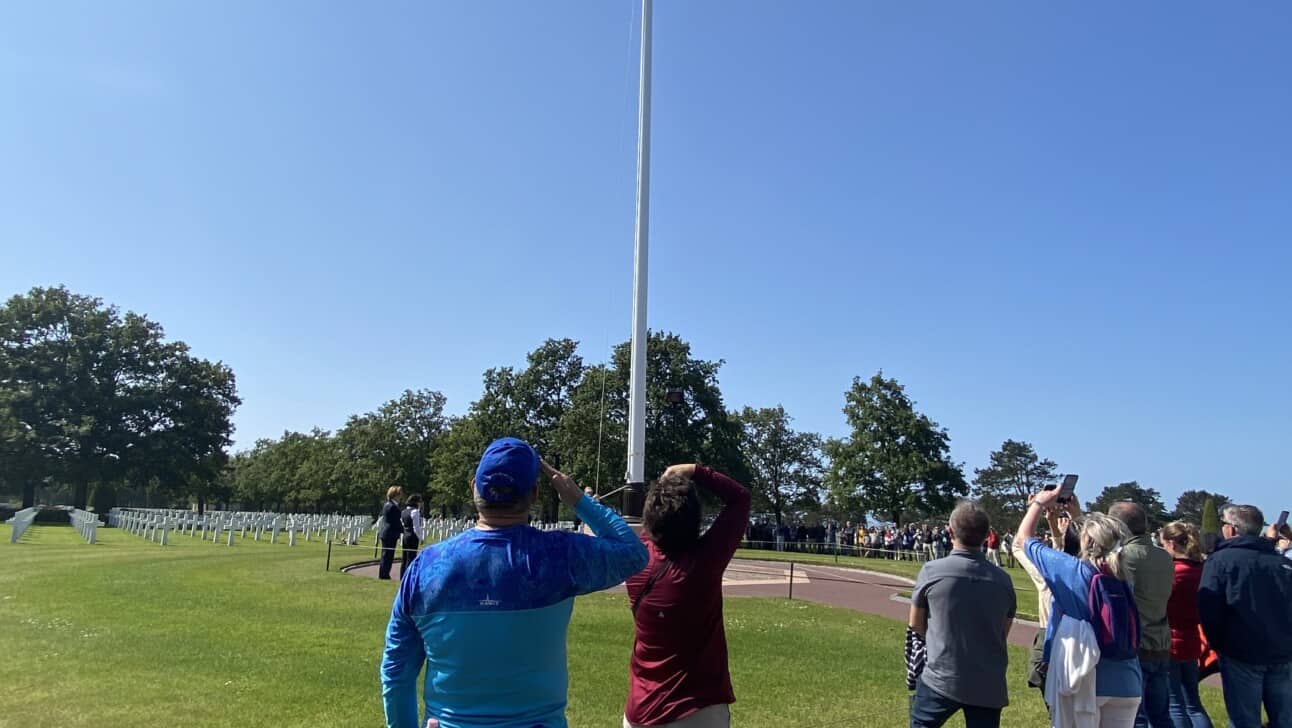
(896, 462)
(785, 466)
(529, 404)
(392, 445)
(1147, 498)
(696, 427)
(91, 395)
(1015, 472)
(1192, 504)
(1210, 525)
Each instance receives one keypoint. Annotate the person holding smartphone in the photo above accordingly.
(487, 611)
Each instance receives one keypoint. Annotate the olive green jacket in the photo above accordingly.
(1151, 572)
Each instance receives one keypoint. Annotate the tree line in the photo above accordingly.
(96, 405)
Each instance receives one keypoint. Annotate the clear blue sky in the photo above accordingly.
(1064, 225)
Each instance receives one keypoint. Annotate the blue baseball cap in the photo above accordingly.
(508, 471)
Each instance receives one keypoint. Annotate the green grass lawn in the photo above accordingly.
(127, 633)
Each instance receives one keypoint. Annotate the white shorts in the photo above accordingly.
(714, 716)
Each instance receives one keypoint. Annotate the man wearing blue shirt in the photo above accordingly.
(487, 611)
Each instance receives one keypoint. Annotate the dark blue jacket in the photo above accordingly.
(390, 526)
(1245, 601)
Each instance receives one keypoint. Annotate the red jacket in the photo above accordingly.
(993, 540)
(679, 659)
(1182, 611)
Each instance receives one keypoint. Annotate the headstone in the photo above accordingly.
(230, 543)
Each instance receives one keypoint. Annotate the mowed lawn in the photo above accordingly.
(128, 633)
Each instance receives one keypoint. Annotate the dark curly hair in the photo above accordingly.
(671, 514)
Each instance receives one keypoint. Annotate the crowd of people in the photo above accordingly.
(1125, 621)
(912, 542)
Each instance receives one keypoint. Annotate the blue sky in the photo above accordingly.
(1064, 225)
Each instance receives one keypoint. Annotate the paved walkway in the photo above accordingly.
(838, 586)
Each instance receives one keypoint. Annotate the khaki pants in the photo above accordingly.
(714, 716)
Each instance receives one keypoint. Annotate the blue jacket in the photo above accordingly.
(1245, 601)
(485, 613)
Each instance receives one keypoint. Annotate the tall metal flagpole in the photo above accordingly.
(634, 493)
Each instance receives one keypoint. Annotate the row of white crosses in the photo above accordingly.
(86, 523)
(20, 521)
(159, 524)
(439, 529)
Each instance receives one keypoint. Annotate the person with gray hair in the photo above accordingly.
(963, 607)
(1243, 606)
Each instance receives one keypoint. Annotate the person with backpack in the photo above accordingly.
(1091, 654)
(678, 671)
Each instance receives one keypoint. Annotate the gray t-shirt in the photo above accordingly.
(969, 601)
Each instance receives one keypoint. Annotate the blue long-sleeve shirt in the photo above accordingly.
(487, 612)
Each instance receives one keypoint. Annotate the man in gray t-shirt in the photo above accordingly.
(964, 607)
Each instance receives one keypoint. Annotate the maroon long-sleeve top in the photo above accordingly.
(679, 660)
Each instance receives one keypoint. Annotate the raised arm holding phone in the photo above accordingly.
(487, 611)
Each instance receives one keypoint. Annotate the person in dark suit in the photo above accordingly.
(389, 529)
(414, 533)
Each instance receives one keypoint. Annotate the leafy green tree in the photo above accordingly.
(1148, 499)
(1210, 524)
(1015, 472)
(695, 427)
(1192, 504)
(89, 395)
(786, 466)
(897, 460)
(529, 404)
(392, 446)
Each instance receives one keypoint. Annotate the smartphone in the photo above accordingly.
(1283, 520)
(1067, 488)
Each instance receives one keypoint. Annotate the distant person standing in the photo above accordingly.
(389, 529)
(993, 547)
(1183, 542)
(1244, 605)
(678, 671)
(963, 607)
(414, 533)
(1150, 571)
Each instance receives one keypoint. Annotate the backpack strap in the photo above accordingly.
(650, 584)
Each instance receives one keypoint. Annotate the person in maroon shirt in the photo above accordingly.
(678, 671)
(1184, 543)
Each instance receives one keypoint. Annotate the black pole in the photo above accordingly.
(634, 498)
(328, 565)
(791, 581)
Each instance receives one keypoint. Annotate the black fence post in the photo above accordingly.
(791, 581)
(328, 565)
